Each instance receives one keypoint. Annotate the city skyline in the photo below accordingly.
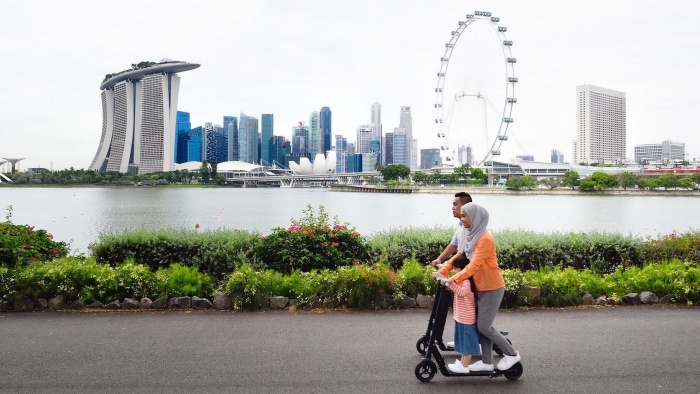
(389, 55)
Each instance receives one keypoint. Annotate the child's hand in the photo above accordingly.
(444, 281)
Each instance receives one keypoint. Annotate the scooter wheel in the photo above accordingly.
(514, 372)
(498, 349)
(426, 370)
(422, 345)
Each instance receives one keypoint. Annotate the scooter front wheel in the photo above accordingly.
(422, 345)
(514, 372)
(426, 370)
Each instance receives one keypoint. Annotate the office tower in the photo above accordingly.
(406, 123)
(182, 127)
(248, 139)
(364, 134)
(216, 143)
(388, 149)
(399, 145)
(465, 155)
(230, 129)
(557, 156)
(280, 148)
(300, 139)
(341, 148)
(325, 123)
(665, 152)
(430, 158)
(601, 133)
(192, 146)
(315, 137)
(139, 118)
(414, 153)
(525, 157)
(267, 139)
(376, 124)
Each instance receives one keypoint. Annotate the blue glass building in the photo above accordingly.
(267, 141)
(325, 125)
(231, 130)
(182, 127)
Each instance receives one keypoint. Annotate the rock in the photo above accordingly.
(425, 301)
(292, 302)
(95, 305)
(145, 303)
(403, 302)
(667, 299)
(648, 297)
(632, 299)
(41, 304)
(130, 303)
(602, 300)
(180, 302)
(314, 301)
(222, 301)
(23, 304)
(279, 302)
(58, 302)
(588, 299)
(79, 304)
(532, 292)
(160, 303)
(113, 305)
(201, 303)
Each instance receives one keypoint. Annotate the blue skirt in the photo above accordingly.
(466, 339)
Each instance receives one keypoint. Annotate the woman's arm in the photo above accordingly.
(485, 247)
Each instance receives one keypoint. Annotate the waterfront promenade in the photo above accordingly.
(640, 349)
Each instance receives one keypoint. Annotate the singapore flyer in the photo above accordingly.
(475, 92)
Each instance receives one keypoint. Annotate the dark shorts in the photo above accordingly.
(466, 339)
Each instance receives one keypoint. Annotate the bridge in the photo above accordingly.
(296, 180)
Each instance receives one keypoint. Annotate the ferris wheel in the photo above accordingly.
(474, 103)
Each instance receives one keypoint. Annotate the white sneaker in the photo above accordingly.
(457, 362)
(450, 344)
(458, 368)
(508, 361)
(480, 366)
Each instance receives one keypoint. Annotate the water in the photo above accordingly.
(79, 215)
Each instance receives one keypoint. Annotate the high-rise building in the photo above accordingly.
(430, 158)
(315, 136)
(398, 148)
(216, 143)
(182, 127)
(376, 124)
(281, 147)
(525, 157)
(388, 149)
(231, 131)
(189, 146)
(139, 116)
(267, 142)
(300, 140)
(464, 155)
(601, 133)
(665, 152)
(406, 123)
(248, 139)
(341, 156)
(365, 133)
(557, 156)
(326, 130)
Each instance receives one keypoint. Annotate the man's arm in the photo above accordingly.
(449, 251)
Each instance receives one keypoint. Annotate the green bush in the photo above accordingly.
(7, 285)
(21, 244)
(247, 288)
(214, 252)
(311, 243)
(362, 286)
(181, 281)
(398, 245)
(683, 246)
(415, 278)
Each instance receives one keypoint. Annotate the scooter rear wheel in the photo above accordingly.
(422, 345)
(426, 370)
(514, 372)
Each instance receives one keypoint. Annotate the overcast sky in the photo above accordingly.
(290, 58)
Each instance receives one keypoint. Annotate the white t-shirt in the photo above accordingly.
(458, 235)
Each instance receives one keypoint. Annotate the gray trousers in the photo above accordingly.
(487, 304)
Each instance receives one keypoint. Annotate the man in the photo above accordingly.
(460, 199)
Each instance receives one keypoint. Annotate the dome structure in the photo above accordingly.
(321, 165)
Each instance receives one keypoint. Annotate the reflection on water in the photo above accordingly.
(81, 214)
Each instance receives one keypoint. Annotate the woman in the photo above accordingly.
(478, 245)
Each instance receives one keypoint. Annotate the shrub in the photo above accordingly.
(414, 279)
(181, 281)
(7, 285)
(422, 244)
(247, 289)
(214, 252)
(681, 280)
(311, 243)
(683, 246)
(362, 286)
(21, 244)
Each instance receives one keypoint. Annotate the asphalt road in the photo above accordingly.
(640, 349)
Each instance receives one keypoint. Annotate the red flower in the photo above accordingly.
(196, 226)
(26, 246)
(54, 252)
(50, 236)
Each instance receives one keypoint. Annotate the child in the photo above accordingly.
(463, 309)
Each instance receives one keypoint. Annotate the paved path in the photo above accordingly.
(645, 349)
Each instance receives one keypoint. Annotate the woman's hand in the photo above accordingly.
(444, 281)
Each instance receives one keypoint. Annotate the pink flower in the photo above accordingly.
(335, 244)
(26, 246)
(50, 236)
(54, 252)
(196, 226)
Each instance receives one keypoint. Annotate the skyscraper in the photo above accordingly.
(315, 136)
(325, 123)
(231, 130)
(300, 140)
(601, 133)
(406, 123)
(365, 133)
(376, 124)
(182, 127)
(216, 141)
(248, 139)
(557, 156)
(266, 140)
(400, 153)
(139, 118)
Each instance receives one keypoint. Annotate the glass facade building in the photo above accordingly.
(325, 124)
(267, 142)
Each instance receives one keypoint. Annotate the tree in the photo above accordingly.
(395, 172)
(419, 177)
(571, 179)
(529, 182)
(551, 183)
(204, 171)
(668, 181)
(515, 182)
(586, 185)
(603, 181)
(696, 177)
(642, 182)
(378, 166)
(478, 173)
(686, 183)
(626, 179)
(462, 172)
(213, 166)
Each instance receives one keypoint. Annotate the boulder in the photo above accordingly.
(41, 304)
(279, 302)
(292, 302)
(130, 303)
(403, 302)
(201, 303)
(602, 300)
(113, 305)
(79, 304)
(95, 305)
(425, 301)
(588, 299)
(222, 301)
(160, 303)
(180, 302)
(632, 299)
(145, 303)
(648, 297)
(58, 302)
(667, 299)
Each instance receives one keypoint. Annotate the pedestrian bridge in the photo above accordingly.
(295, 180)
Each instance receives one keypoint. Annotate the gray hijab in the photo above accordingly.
(479, 218)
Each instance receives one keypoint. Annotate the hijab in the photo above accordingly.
(479, 218)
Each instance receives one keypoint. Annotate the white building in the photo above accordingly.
(406, 123)
(365, 133)
(601, 132)
(665, 152)
(139, 114)
(315, 137)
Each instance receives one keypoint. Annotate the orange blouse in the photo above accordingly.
(483, 266)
